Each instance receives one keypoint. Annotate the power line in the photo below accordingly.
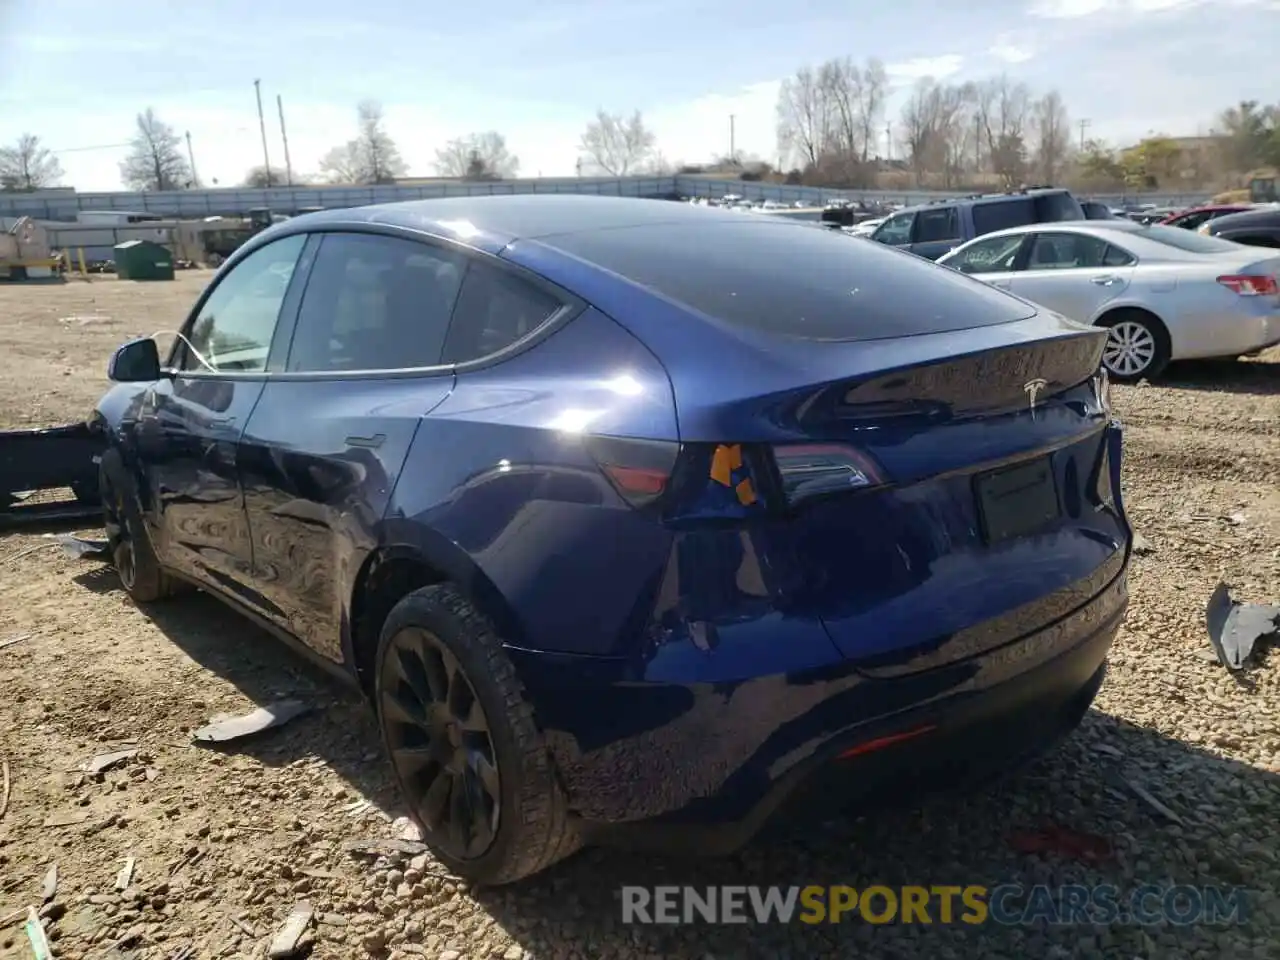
(101, 146)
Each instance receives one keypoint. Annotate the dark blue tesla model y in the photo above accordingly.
(636, 521)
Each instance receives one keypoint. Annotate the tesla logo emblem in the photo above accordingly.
(1032, 389)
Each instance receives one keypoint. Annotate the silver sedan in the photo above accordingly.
(1164, 293)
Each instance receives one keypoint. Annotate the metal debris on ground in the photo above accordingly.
(49, 888)
(35, 934)
(85, 548)
(1143, 794)
(243, 927)
(103, 762)
(385, 847)
(1235, 629)
(286, 941)
(264, 718)
(1142, 546)
(125, 876)
(13, 640)
(70, 818)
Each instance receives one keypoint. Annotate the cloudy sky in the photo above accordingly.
(76, 73)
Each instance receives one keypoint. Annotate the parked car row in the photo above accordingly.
(1189, 286)
(1162, 293)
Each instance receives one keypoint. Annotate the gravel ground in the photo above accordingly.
(224, 844)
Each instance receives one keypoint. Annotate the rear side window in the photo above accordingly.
(935, 224)
(375, 303)
(794, 280)
(1056, 207)
(495, 310)
(1002, 214)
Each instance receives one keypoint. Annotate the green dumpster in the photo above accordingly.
(143, 260)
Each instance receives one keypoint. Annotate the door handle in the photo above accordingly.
(370, 443)
(221, 421)
(1104, 281)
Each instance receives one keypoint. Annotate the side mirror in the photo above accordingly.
(137, 361)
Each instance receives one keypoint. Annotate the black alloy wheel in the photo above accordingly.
(440, 743)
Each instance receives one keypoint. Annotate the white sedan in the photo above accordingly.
(1164, 293)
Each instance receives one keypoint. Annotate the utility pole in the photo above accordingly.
(262, 125)
(1084, 125)
(191, 158)
(284, 136)
(733, 152)
(888, 141)
(977, 142)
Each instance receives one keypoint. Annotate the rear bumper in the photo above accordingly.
(1230, 335)
(700, 769)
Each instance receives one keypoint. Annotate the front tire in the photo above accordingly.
(136, 563)
(464, 745)
(1137, 346)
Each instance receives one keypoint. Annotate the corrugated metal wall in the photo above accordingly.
(193, 204)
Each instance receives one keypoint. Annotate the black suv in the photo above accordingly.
(932, 229)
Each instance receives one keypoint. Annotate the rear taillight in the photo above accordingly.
(809, 470)
(640, 470)
(1251, 285)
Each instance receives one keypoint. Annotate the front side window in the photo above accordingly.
(375, 303)
(233, 330)
(896, 230)
(937, 224)
(996, 255)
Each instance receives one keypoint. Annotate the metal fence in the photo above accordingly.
(62, 204)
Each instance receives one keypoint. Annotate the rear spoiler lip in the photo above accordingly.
(764, 408)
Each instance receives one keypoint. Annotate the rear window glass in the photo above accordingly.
(1187, 240)
(1056, 207)
(993, 215)
(1001, 215)
(796, 281)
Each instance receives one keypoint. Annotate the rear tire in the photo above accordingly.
(136, 563)
(465, 748)
(1137, 346)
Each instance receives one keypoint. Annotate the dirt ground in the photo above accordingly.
(223, 844)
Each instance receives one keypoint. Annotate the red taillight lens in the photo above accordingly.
(636, 481)
(640, 470)
(809, 470)
(1251, 285)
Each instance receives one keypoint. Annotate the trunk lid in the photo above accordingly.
(987, 512)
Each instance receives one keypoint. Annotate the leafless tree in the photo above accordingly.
(804, 118)
(259, 176)
(155, 160)
(1002, 109)
(617, 145)
(1053, 136)
(28, 165)
(477, 156)
(372, 157)
(343, 164)
(871, 95)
